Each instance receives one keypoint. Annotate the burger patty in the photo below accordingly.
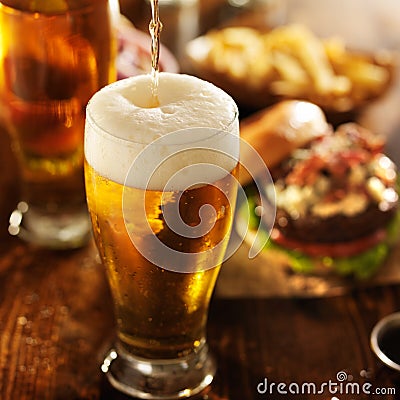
(341, 187)
(338, 228)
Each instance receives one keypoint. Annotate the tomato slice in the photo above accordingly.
(335, 250)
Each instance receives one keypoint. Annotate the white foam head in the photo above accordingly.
(195, 122)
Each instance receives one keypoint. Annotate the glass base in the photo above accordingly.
(159, 379)
(55, 230)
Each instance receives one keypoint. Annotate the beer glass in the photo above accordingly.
(161, 190)
(54, 54)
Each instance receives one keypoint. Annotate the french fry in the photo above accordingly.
(289, 68)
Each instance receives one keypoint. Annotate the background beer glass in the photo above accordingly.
(161, 191)
(53, 55)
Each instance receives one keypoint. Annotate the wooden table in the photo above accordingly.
(56, 321)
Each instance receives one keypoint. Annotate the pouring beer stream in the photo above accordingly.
(155, 28)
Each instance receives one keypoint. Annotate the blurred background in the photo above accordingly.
(365, 24)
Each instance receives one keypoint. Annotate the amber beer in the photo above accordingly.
(54, 55)
(161, 310)
(160, 313)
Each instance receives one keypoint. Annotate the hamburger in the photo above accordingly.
(336, 198)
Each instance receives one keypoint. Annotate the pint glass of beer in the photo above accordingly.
(161, 190)
(54, 55)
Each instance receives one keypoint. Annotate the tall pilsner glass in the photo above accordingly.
(54, 55)
(161, 190)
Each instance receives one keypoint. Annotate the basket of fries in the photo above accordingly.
(289, 62)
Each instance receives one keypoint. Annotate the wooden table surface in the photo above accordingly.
(56, 321)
